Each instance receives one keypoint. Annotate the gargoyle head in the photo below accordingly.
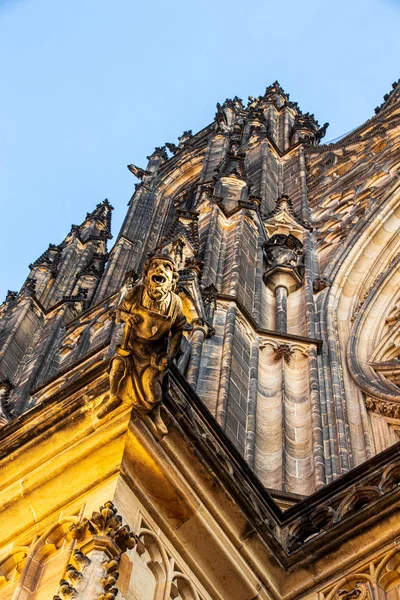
(160, 276)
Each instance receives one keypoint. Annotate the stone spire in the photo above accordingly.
(73, 268)
(60, 285)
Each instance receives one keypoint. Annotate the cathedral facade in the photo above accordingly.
(277, 471)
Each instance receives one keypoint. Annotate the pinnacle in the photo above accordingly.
(102, 214)
(276, 88)
(102, 209)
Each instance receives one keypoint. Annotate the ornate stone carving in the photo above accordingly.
(30, 285)
(306, 129)
(49, 259)
(138, 172)
(284, 351)
(106, 535)
(348, 504)
(80, 295)
(284, 214)
(181, 239)
(154, 322)
(11, 296)
(184, 142)
(69, 586)
(9, 303)
(387, 409)
(73, 576)
(275, 89)
(159, 152)
(284, 255)
(200, 323)
(221, 116)
(106, 522)
(321, 132)
(360, 591)
(109, 580)
(283, 250)
(80, 560)
(65, 591)
(321, 283)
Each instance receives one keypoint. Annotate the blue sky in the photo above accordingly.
(89, 86)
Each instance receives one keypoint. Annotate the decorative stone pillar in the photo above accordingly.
(201, 330)
(281, 295)
(93, 571)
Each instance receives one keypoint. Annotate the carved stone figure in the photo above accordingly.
(138, 172)
(320, 283)
(221, 118)
(154, 322)
(284, 258)
(283, 250)
(321, 132)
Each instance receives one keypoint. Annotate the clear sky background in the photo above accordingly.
(89, 86)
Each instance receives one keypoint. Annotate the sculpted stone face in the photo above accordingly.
(159, 280)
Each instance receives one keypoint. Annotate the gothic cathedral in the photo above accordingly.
(210, 408)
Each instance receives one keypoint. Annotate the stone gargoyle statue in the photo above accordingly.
(154, 323)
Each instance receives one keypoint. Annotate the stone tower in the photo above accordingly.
(287, 377)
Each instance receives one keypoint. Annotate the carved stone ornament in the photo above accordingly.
(138, 172)
(106, 522)
(283, 351)
(104, 531)
(284, 257)
(74, 575)
(360, 591)
(348, 504)
(387, 409)
(154, 323)
(321, 283)
(283, 250)
(109, 580)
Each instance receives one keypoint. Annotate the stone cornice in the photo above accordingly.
(287, 534)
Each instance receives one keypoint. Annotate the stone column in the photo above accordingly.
(201, 330)
(281, 309)
(224, 381)
(252, 405)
